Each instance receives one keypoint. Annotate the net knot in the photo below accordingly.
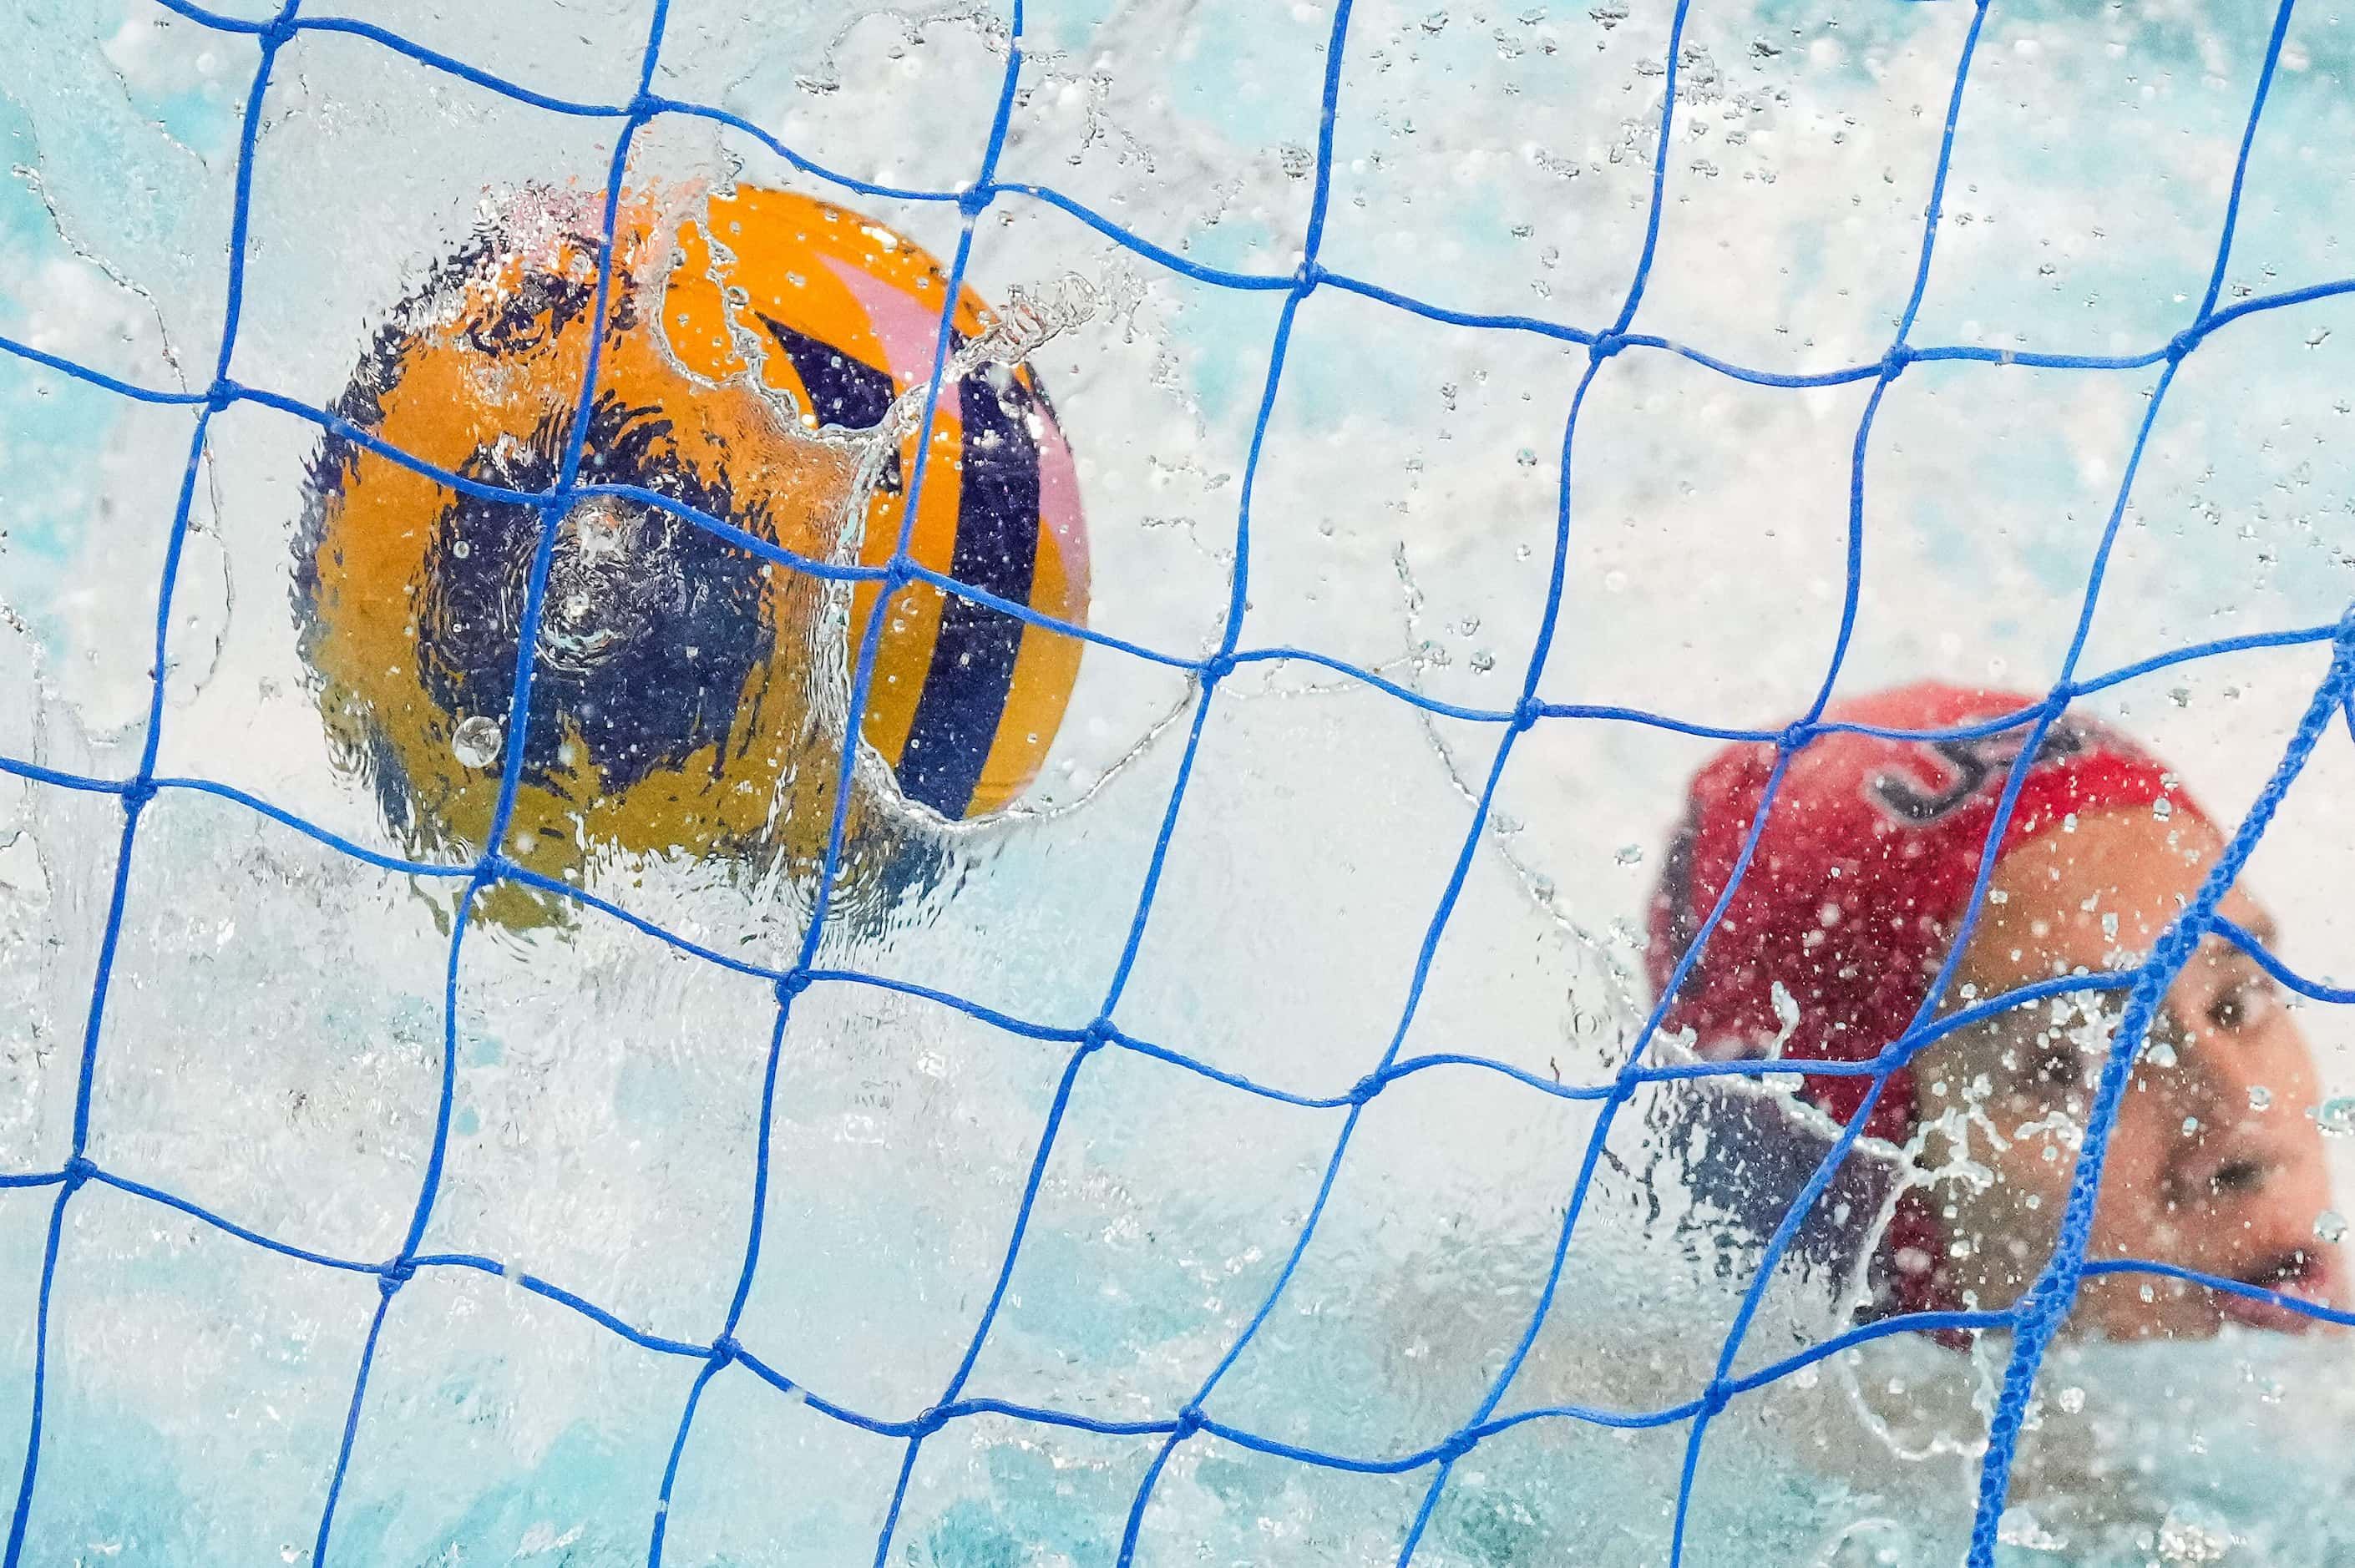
(1306, 277)
(974, 200)
(220, 394)
(1366, 1089)
(1894, 362)
(791, 984)
(1098, 1035)
(725, 1350)
(79, 1169)
(1456, 1445)
(137, 793)
(1216, 668)
(1795, 735)
(1190, 1420)
(1526, 714)
(279, 32)
(2183, 342)
(1605, 346)
(394, 1275)
(1716, 1397)
(929, 1422)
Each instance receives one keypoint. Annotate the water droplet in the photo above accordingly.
(2330, 1225)
(2259, 1096)
(2336, 1115)
(2071, 1399)
(462, 549)
(1629, 854)
(477, 741)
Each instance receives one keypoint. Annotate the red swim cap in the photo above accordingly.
(1857, 890)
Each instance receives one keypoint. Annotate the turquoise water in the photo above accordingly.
(272, 1050)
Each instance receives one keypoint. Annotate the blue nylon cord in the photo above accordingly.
(1719, 1391)
(142, 789)
(2038, 1313)
(552, 509)
(1256, 1442)
(2034, 1320)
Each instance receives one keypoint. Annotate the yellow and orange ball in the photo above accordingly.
(760, 350)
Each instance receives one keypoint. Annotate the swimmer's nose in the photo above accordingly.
(2237, 1176)
(2224, 1152)
(2224, 1146)
(2236, 1161)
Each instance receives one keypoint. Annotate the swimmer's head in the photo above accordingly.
(2215, 1160)
(1831, 947)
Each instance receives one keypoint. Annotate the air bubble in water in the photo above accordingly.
(1629, 854)
(2071, 1399)
(2330, 1225)
(2259, 1096)
(2337, 1116)
(477, 741)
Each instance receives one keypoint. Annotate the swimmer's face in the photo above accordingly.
(2215, 1163)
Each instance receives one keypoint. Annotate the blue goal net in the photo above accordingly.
(1466, 1476)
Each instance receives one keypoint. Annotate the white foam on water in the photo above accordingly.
(272, 1042)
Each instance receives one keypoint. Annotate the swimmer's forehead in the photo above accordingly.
(2215, 946)
(2131, 862)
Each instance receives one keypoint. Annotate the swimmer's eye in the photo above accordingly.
(2238, 1177)
(2244, 1004)
(2061, 1066)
